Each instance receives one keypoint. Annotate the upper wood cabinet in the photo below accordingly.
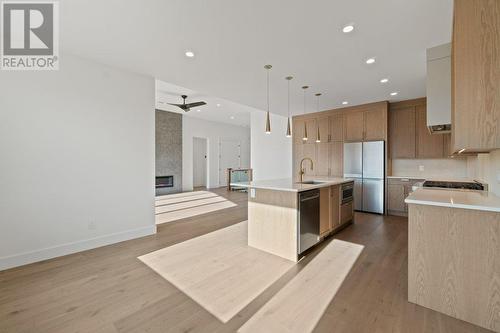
(375, 124)
(369, 125)
(298, 130)
(476, 75)
(324, 129)
(402, 135)
(409, 136)
(337, 128)
(428, 145)
(311, 131)
(354, 126)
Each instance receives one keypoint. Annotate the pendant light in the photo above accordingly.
(268, 121)
(304, 138)
(288, 127)
(318, 137)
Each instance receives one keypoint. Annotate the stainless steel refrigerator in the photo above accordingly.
(364, 161)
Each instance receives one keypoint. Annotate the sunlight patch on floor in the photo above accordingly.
(219, 270)
(178, 206)
(300, 304)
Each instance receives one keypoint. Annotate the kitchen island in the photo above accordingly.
(454, 254)
(286, 218)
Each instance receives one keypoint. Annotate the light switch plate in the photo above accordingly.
(252, 193)
(421, 168)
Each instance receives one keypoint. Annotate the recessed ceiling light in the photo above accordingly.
(218, 105)
(384, 80)
(232, 117)
(370, 61)
(198, 110)
(345, 102)
(394, 93)
(348, 28)
(189, 54)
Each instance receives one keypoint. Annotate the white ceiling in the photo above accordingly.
(217, 109)
(234, 39)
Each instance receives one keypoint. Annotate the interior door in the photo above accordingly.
(229, 157)
(199, 162)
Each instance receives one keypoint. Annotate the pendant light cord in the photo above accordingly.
(288, 98)
(267, 90)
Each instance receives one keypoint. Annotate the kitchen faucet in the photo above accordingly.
(302, 169)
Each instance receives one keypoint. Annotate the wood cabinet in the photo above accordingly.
(375, 124)
(322, 166)
(335, 207)
(324, 129)
(337, 128)
(324, 211)
(396, 199)
(476, 76)
(357, 123)
(336, 158)
(428, 145)
(311, 131)
(301, 151)
(397, 191)
(369, 125)
(354, 126)
(298, 131)
(402, 128)
(409, 136)
(346, 212)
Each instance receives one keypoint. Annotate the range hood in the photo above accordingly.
(438, 86)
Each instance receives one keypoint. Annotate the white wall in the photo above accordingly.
(77, 160)
(271, 154)
(213, 132)
(446, 168)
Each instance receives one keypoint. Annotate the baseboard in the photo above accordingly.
(69, 248)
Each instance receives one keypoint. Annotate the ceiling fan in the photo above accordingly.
(187, 107)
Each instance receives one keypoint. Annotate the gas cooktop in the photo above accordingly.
(454, 185)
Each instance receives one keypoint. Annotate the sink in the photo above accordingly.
(311, 182)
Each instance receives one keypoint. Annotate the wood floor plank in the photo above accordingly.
(211, 268)
(188, 204)
(301, 303)
(373, 297)
(194, 211)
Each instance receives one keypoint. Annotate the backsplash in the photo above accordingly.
(449, 168)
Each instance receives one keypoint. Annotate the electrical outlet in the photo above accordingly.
(421, 168)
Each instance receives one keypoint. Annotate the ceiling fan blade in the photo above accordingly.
(178, 105)
(195, 104)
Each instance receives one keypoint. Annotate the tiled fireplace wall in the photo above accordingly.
(169, 149)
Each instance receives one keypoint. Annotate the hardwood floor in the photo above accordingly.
(109, 290)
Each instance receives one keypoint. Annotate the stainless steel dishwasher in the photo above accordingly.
(308, 219)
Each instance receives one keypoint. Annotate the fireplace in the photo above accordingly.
(164, 181)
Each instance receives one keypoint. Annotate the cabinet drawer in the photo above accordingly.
(346, 212)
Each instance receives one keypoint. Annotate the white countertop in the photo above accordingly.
(466, 199)
(288, 184)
